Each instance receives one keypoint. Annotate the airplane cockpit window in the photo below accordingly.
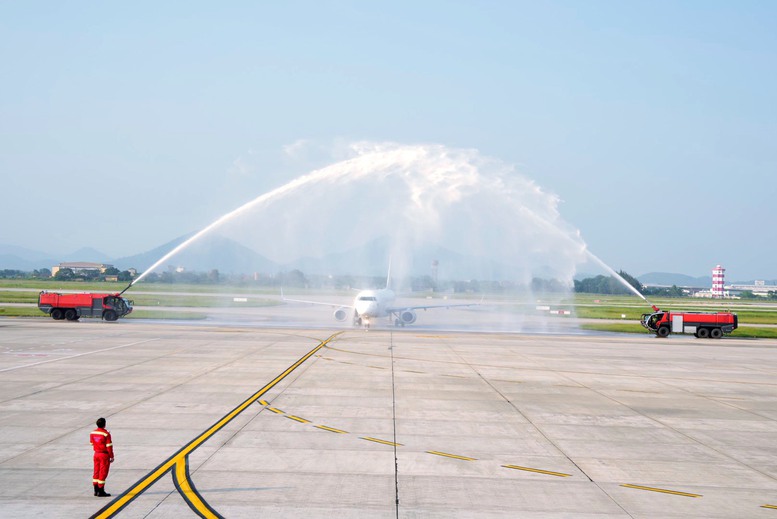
(368, 298)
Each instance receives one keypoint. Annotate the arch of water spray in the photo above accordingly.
(496, 220)
(413, 195)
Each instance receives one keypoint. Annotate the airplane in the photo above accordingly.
(369, 305)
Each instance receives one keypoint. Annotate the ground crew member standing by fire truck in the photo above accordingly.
(103, 457)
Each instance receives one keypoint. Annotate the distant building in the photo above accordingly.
(80, 266)
(708, 294)
(759, 288)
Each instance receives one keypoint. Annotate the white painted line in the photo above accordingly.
(77, 355)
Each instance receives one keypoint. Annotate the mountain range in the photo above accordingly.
(230, 257)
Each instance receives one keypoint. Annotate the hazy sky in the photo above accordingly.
(125, 125)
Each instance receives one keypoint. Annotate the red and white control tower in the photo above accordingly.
(718, 275)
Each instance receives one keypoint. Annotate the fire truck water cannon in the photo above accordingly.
(74, 306)
(701, 324)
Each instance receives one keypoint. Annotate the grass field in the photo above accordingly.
(742, 331)
(746, 316)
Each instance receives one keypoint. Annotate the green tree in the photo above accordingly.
(423, 283)
(631, 280)
(65, 274)
(11, 273)
(344, 282)
(547, 285)
(89, 275)
(294, 278)
(152, 277)
(605, 285)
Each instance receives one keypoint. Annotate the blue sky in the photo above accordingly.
(654, 122)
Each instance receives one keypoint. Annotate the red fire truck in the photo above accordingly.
(700, 324)
(73, 306)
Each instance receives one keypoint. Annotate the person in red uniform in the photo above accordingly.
(103, 457)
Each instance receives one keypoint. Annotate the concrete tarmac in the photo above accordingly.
(234, 420)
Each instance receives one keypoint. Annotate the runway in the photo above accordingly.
(233, 420)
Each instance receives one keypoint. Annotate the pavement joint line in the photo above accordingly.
(423, 372)
(383, 367)
(394, 423)
(540, 471)
(96, 375)
(437, 453)
(516, 467)
(540, 370)
(661, 490)
(454, 456)
(78, 355)
(664, 423)
(378, 440)
(171, 464)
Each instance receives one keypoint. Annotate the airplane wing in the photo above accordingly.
(395, 309)
(331, 305)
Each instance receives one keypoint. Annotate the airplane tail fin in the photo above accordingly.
(388, 276)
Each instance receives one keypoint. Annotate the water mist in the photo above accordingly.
(488, 221)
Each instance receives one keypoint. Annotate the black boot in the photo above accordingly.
(96, 491)
(102, 493)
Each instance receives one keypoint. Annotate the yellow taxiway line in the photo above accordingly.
(662, 490)
(454, 456)
(540, 471)
(378, 440)
(179, 458)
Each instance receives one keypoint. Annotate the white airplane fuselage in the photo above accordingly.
(372, 304)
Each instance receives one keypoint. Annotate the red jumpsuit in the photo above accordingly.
(103, 455)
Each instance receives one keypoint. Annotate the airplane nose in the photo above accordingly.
(367, 308)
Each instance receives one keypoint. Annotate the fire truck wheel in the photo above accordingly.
(703, 333)
(110, 315)
(71, 315)
(663, 331)
(716, 333)
(57, 314)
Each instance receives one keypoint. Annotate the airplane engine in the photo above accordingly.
(341, 314)
(407, 316)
